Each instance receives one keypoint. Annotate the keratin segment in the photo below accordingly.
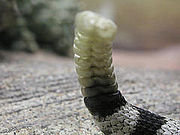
(93, 54)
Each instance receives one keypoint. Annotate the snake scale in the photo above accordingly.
(94, 35)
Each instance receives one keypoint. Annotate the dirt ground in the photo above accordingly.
(40, 93)
(165, 59)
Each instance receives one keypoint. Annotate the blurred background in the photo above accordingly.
(148, 31)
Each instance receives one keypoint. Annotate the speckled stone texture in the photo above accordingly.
(40, 94)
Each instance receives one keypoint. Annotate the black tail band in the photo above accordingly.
(104, 105)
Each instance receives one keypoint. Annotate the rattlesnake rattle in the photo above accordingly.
(92, 47)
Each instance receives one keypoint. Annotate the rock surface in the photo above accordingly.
(40, 94)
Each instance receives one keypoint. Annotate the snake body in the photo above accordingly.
(94, 35)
